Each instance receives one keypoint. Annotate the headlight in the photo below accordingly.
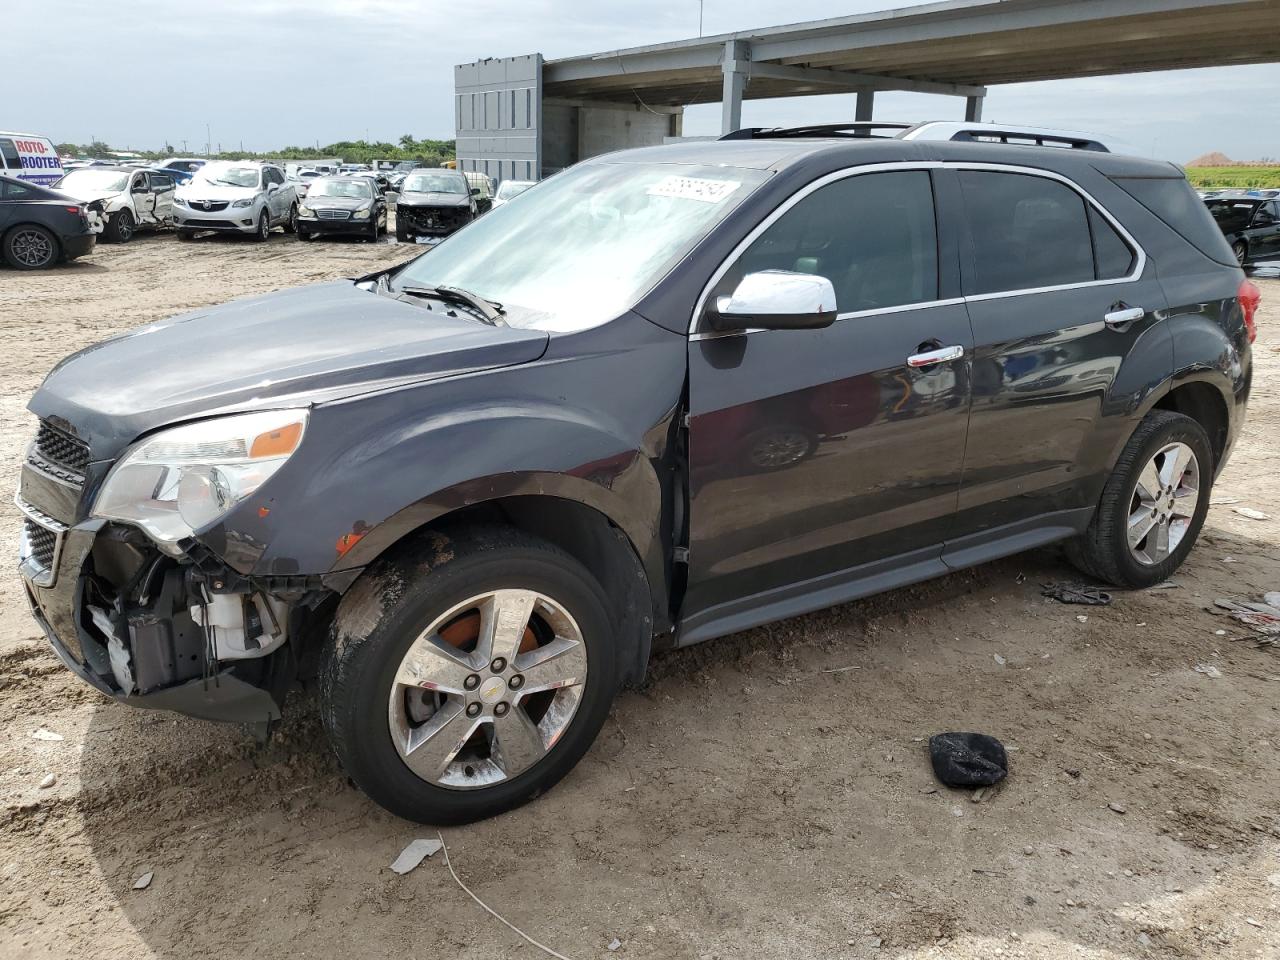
(247, 202)
(306, 212)
(179, 201)
(183, 479)
(362, 212)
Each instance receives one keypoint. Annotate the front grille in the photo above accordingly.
(436, 221)
(41, 543)
(62, 449)
(210, 224)
(207, 204)
(334, 214)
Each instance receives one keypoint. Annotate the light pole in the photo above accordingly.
(700, 3)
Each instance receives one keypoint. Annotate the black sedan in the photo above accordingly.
(39, 226)
(342, 205)
(1251, 226)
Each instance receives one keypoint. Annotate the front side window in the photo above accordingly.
(9, 155)
(618, 229)
(1027, 231)
(872, 235)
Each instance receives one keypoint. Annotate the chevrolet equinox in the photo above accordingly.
(674, 393)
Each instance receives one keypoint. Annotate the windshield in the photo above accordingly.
(512, 188)
(98, 181)
(1232, 211)
(436, 183)
(588, 244)
(354, 189)
(228, 175)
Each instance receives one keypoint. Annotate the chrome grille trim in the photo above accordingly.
(40, 544)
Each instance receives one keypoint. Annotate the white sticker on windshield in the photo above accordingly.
(694, 188)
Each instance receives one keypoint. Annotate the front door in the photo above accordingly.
(820, 457)
(162, 187)
(1264, 232)
(1058, 298)
(144, 201)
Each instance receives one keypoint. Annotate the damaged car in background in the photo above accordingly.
(433, 204)
(469, 494)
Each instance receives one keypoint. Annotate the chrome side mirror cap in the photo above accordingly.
(775, 300)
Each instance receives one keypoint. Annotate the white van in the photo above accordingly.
(30, 158)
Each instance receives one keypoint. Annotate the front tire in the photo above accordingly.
(1241, 251)
(120, 227)
(1153, 504)
(467, 674)
(402, 234)
(263, 232)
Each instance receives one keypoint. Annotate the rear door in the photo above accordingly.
(822, 457)
(1058, 295)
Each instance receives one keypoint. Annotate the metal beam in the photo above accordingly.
(866, 105)
(735, 82)
(861, 81)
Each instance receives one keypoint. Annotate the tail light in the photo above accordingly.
(1250, 296)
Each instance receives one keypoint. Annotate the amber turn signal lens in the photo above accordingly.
(276, 443)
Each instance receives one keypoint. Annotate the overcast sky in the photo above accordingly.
(271, 73)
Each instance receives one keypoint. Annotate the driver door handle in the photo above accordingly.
(931, 357)
(1120, 318)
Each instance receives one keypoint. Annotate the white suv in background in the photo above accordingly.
(235, 197)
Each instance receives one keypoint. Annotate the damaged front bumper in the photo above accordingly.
(149, 629)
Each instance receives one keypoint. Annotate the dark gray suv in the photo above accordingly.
(673, 393)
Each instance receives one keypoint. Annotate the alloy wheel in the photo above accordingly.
(1163, 504)
(488, 689)
(124, 229)
(32, 248)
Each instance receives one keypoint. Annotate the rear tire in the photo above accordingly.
(291, 225)
(1104, 551)
(30, 246)
(365, 703)
(1241, 250)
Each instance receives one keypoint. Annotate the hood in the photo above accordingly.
(291, 348)
(434, 200)
(340, 203)
(204, 190)
(92, 196)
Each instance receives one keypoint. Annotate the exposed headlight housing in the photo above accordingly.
(247, 202)
(181, 480)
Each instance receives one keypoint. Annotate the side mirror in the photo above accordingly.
(271, 187)
(475, 191)
(775, 300)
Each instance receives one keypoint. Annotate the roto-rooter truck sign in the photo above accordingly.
(29, 158)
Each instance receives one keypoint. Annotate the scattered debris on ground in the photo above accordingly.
(968, 759)
(1065, 591)
(414, 854)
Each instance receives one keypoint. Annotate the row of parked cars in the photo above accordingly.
(47, 215)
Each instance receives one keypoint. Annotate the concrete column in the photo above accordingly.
(736, 53)
(973, 109)
(866, 105)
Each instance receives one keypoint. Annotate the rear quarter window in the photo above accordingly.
(1177, 205)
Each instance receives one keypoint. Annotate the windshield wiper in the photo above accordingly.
(490, 310)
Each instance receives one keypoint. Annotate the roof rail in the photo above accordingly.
(1003, 133)
(856, 128)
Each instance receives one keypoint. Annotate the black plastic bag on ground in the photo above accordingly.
(968, 759)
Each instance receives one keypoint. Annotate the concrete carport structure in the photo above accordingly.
(524, 117)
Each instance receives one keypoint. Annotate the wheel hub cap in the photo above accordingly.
(1164, 503)
(454, 732)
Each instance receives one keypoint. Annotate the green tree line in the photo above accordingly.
(428, 152)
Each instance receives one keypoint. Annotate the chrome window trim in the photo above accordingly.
(1139, 266)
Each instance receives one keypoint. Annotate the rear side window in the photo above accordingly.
(1027, 231)
(9, 155)
(13, 190)
(1112, 257)
(872, 235)
(1174, 202)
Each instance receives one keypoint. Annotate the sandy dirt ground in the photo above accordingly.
(767, 795)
